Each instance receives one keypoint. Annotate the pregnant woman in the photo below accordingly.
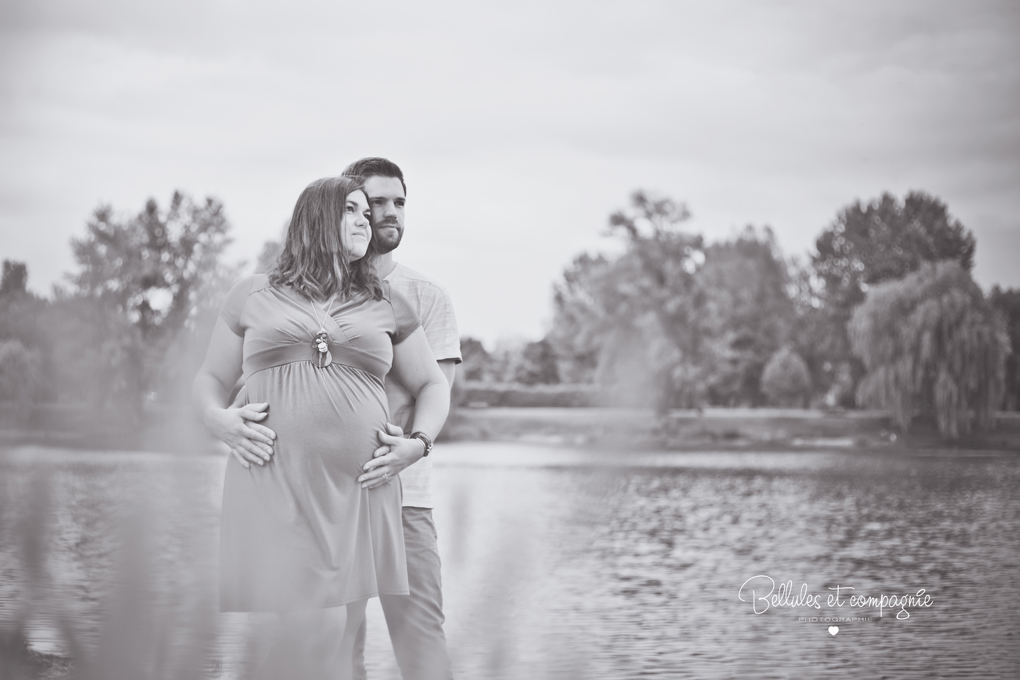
(315, 339)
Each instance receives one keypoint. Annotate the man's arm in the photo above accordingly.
(234, 425)
(449, 369)
(386, 461)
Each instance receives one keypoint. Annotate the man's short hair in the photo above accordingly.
(374, 166)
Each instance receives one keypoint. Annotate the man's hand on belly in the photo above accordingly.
(237, 427)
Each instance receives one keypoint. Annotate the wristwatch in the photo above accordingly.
(424, 440)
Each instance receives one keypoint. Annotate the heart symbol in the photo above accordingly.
(833, 630)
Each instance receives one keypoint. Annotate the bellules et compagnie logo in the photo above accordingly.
(762, 593)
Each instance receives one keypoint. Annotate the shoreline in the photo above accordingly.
(719, 430)
(174, 430)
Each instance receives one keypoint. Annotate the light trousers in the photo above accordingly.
(416, 621)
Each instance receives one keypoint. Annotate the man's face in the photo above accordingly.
(386, 201)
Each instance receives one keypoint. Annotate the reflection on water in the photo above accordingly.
(568, 564)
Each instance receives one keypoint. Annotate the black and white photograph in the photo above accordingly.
(509, 341)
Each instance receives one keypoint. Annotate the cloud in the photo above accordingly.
(521, 125)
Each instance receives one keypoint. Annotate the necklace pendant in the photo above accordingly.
(320, 344)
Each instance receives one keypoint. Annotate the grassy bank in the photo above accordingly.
(714, 429)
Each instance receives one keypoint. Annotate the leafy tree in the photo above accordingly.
(638, 319)
(886, 240)
(154, 266)
(749, 313)
(96, 355)
(932, 344)
(19, 371)
(868, 244)
(811, 335)
(786, 379)
(671, 318)
(142, 282)
(1007, 302)
(665, 299)
(580, 323)
(23, 321)
(15, 280)
(537, 365)
(18, 308)
(475, 360)
(505, 360)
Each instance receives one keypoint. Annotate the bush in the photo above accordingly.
(19, 372)
(786, 380)
(471, 393)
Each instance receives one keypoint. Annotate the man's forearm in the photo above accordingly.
(207, 393)
(431, 408)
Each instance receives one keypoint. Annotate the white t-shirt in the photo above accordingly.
(432, 303)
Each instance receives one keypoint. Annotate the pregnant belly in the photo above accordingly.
(326, 420)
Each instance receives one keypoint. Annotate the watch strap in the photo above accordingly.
(424, 440)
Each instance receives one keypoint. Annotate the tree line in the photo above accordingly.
(883, 314)
(127, 325)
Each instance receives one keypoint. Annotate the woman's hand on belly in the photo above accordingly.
(394, 454)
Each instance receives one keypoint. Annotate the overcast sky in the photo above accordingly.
(519, 126)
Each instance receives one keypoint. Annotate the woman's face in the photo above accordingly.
(356, 229)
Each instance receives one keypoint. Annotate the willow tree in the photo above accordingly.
(931, 345)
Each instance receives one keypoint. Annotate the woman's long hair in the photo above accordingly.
(313, 259)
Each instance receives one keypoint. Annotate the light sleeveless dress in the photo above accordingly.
(300, 532)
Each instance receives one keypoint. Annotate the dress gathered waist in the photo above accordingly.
(280, 355)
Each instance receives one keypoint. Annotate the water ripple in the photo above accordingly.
(571, 564)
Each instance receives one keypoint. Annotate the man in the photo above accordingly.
(415, 622)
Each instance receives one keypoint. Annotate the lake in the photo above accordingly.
(561, 563)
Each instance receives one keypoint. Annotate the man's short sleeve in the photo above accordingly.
(434, 308)
(233, 305)
(406, 318)
(440, 324)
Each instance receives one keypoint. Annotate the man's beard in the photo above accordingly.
(387, 238)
